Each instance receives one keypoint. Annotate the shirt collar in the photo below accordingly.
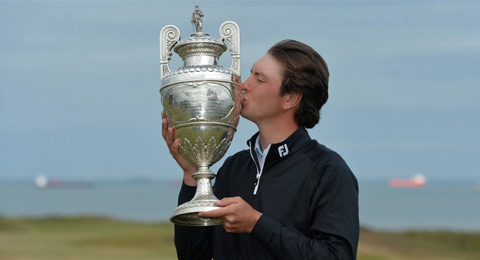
(282, 149)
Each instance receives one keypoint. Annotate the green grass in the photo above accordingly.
(84, 238)
(419, 245)
(92, 238)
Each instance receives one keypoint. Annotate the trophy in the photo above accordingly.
(202, 102)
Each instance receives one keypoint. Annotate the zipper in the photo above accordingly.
(259, 169)
(259, 173)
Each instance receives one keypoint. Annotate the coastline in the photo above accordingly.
(437, 206)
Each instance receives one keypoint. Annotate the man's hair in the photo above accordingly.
(306, 73)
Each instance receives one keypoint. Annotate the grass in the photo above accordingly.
(75, 238)
(424, 245)
(84, 238)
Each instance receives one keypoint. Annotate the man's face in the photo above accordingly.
(261, 100)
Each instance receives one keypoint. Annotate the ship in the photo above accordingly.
(43, 182)
(416, 181)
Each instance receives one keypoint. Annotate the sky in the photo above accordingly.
(80, 80)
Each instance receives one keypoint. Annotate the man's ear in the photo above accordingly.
(292, 100)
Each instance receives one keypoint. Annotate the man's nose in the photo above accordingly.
(246, 85)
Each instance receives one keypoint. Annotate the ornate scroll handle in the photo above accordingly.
(169, 36)
(230, 32)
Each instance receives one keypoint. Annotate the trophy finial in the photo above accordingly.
(197, 19)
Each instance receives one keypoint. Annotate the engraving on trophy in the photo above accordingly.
(205, 153)
(202, 102)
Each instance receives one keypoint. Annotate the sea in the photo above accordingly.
(444, 206)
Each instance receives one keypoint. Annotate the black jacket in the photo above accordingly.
(308, 197)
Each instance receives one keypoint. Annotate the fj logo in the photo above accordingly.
(283, 150)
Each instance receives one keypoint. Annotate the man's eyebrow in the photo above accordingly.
(256, 73)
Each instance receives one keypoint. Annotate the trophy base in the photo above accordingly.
(187, 214)
(204, 200)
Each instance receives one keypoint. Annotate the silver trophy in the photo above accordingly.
(202, 102)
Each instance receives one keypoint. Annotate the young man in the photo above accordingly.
(287, 196)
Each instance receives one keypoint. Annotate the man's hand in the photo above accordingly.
(236, 214)
(173, 144)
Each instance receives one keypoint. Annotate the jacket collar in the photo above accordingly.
(284, 149)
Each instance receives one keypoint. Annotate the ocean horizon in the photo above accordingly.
(442, 205)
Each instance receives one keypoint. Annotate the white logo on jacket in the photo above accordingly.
(283, 150)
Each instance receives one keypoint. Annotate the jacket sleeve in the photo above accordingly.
(191, 242)
(334, 226)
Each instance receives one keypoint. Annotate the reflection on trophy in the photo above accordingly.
(202, 102)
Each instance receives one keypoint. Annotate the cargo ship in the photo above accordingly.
(42, 182)
(416, 181)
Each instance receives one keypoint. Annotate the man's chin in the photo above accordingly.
(243, 114)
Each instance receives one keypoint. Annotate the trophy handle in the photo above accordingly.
(230, 32)
(169, 36)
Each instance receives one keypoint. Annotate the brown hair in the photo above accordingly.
(305, 72)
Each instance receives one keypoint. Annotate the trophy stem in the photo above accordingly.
(204, 200)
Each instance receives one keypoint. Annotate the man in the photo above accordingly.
(287, 196)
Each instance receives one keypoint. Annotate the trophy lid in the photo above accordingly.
(200, 49)
(200, 52)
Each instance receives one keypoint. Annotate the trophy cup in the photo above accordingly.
(202, 102)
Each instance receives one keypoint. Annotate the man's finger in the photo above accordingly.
(227, 201)
(164, 126)
(170, 135)
(175, 145)
(216, 213)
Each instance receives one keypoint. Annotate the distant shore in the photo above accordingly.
(97, 238)
(437, 206)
